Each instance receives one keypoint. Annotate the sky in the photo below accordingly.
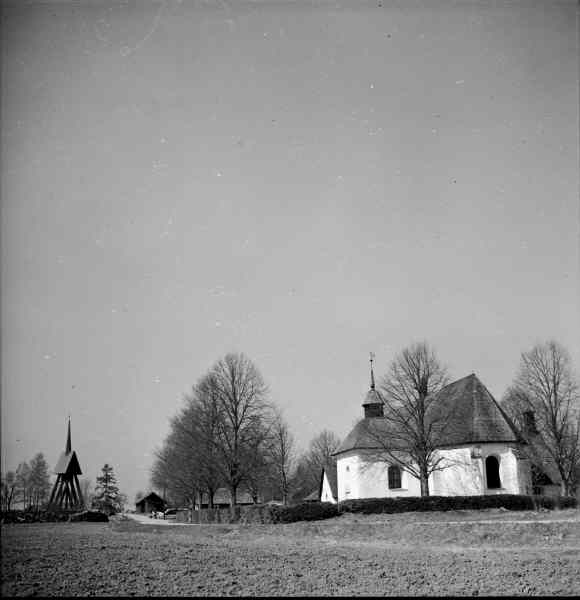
(303, 182)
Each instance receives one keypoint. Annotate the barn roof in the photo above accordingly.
(152, 497)
(68, 463)
(329, 470)
(463, 412)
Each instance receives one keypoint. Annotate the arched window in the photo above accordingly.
(394, 478)
(492, 472)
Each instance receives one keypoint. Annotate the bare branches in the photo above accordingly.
(409, 433)
(282, 453)
(546, 385)
(221, 434)
(306, 477)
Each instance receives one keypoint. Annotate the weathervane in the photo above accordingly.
(372, 354)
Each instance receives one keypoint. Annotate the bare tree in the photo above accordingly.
(411, 431)
(39, 481)
(8, 486)
(23, 484)
(175, 471)
(204, 422)
(86, 487)
(242, 431)
(306, 475)
(282, 454)
(546, 385)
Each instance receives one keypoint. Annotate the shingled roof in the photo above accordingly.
(463, 412)
(364, 437)
(468, 413)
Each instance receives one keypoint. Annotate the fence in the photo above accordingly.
(212, 515)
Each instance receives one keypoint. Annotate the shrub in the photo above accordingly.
(444, 503)
(307, 511)
(93, 516)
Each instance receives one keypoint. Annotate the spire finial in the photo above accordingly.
(372, 374)
(68, 443)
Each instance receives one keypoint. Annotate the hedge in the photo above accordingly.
(46, 516)
(307, 511)
(445, 503)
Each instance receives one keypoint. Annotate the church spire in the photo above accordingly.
(68, 447)
(373, 404)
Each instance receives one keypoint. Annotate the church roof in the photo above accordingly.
(372, 397)
(468, 413)
(363, 437)
(329, 470)
(68, 463)
(463, 412)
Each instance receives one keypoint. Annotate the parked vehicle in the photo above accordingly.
(170, 513)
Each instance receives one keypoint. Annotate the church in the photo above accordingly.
(480, 452)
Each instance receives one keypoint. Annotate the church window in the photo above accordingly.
(492, 472)
(394, 473)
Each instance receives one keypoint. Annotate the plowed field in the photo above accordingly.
(460, 553)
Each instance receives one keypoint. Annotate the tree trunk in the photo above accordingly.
(233, 494)
(424, 479)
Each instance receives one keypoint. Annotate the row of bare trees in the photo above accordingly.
(227, 434)
(28, 486)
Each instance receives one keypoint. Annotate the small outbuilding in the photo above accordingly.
(328, 490)
(150, 503)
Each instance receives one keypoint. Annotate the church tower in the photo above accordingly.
(373, 404)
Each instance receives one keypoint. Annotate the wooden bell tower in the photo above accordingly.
(66, 493)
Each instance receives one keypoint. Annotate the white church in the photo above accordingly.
(481, 449)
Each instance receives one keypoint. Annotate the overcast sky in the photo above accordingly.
(304, 182)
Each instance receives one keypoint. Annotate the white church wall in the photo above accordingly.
(465, 475)
(462, 475)
(326, 494)
(360, 477)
